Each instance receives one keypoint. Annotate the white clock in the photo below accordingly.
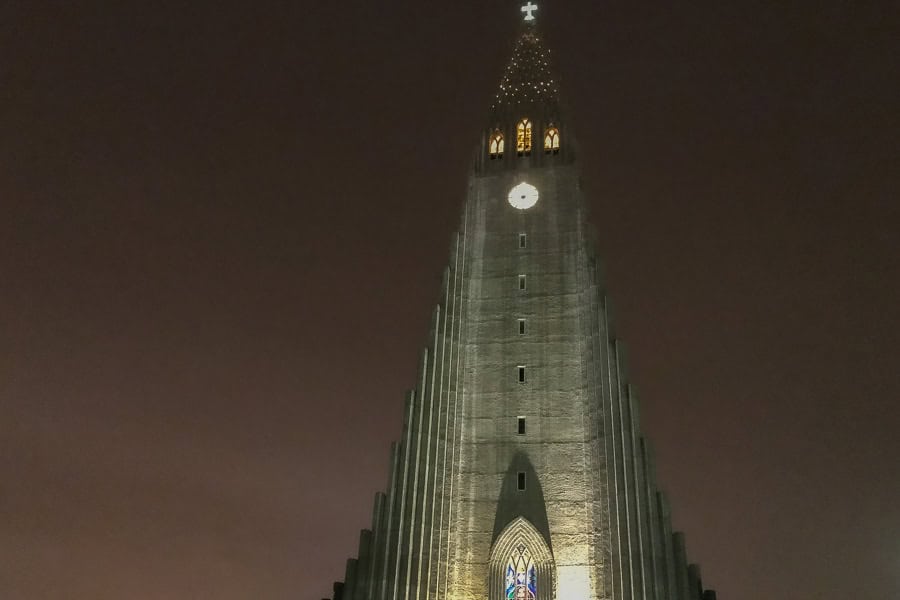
(523, 196)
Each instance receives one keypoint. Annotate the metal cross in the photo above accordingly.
(528, 9)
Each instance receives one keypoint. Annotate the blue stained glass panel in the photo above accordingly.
(510, 582)
(521, 576)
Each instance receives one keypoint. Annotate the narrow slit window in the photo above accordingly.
(521, 370)
(521, 426)
(521, 326)
(523, 240)
(521, 282)
(520, 481)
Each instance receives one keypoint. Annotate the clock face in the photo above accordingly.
(523, 196)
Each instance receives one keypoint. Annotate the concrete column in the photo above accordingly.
(363, 565)
(411, 537)
(379, 524)
(454, 406)
(626, 468)
(432, 403)
(444, 438)
(664, 527)
(619, 570)
(655, 551)
(593, 361)
(389, 524)
(435, 437)
(681, 567)
(396, 556)
(350, 579)
(438, 438)
(695, 586)
(641, 502)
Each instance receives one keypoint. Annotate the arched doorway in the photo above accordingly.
(521, 564)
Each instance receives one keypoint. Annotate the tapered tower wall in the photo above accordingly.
(555, 397)
(573, 486)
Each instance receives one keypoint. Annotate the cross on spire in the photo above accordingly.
(528, 9)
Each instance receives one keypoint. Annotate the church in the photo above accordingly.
(522, 472)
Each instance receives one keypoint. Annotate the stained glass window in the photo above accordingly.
(551, 139)
(521, 576)
(523, 136)
(495, 146)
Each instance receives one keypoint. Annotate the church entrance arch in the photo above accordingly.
(521, 564)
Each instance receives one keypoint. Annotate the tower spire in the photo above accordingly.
(522, 473)
(528, 78)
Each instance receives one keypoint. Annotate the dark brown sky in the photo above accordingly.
(222, 227)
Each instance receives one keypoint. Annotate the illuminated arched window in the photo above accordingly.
(495, 145)
(521, 576)
(523, 137)
(551, 140)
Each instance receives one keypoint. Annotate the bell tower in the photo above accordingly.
(525, 116)
(522, 472)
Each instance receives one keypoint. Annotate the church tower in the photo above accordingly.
(522, 472)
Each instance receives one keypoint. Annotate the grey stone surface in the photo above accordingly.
(591, 514)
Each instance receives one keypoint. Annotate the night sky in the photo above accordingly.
(222, 230)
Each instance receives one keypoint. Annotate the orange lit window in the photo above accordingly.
(523, 137)
(551, 140)
(495, 146)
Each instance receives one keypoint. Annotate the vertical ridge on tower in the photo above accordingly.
(522, 472)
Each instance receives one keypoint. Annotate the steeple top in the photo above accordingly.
(529, 10)
(528, 78)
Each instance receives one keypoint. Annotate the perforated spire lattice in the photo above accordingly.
(528, 77)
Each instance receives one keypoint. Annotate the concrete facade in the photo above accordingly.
(590, 515)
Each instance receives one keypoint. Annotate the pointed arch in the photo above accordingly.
(523, 136)
(521, 564)
(495, 144)
(551, 140)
